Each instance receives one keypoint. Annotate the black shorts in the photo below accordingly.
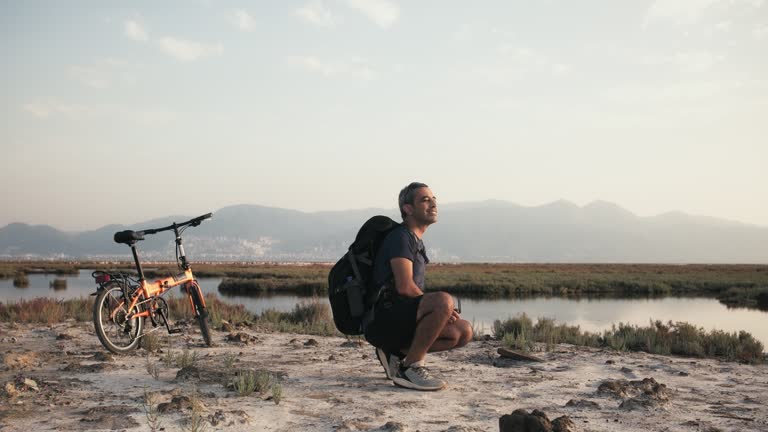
(394, 323)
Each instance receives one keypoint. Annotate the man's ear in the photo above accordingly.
(408, 208)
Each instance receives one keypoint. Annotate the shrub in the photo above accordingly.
(20, 280)
(186, 358)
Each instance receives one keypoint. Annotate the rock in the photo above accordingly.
(642, 395)
(104, 357)
(227, 327)
(626, 370)
(110, 418)
(563, 424)
(582, 403)
(463, 429)
(521, 421)
(311, 342)
(176, 404)
(637, 403)
(91, 368)
(390, 427)
(352, 343)
(64, 336)
(30, 384)
(516, 355)
(241, 337)
(609, 362)
(10, 390)
(217, 418)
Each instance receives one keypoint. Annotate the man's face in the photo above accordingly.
(424, 207)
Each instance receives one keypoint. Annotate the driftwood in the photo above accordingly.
(508, 353)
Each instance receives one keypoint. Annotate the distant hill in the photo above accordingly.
(488, 231)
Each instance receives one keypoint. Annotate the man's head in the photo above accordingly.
(418, 202)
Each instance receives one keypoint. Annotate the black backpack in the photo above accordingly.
(350, 282)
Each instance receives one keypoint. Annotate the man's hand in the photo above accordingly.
(454, 317)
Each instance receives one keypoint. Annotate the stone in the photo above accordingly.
(311, 342)
(636, 395)
(227, 327)
(217, 418)
(10, 390)
(563, 424)
(582, 403)
(104, 357)
(516, 355)
(241, 337)
(31, 384)
(521, 421)
(176, 404)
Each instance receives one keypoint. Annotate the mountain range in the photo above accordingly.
(487, 231)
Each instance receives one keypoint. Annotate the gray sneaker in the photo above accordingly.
(388, 361)
(417, 377)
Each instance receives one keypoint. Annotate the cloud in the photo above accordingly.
(136, 31)
(688, 61)
(687, 92)
(90, 76)
(382, 12)
(317, 14)
(186, 50)
(691, 11)
(104, 73)
(353, 68)
(517, 62)
(760, 33)
(243, 20)
(78, 112)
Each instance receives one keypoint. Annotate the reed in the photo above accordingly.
(678, 338)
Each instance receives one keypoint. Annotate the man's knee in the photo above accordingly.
(465, 333)
(440, 302)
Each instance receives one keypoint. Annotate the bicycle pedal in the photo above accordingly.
(175, 330)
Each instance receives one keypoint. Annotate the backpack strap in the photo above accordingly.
(353, 261)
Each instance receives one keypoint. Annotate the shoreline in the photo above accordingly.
(330, 383)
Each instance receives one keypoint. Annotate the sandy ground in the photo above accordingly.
(58, 378)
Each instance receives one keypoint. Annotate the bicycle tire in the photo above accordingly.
(201, 313)
(116, 334)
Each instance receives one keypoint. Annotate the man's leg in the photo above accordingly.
(454, 335)
(434, 311)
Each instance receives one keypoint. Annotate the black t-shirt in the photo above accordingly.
(400, 243)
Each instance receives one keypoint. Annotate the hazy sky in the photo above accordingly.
(117, 112)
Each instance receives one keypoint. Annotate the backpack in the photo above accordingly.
(350, 281)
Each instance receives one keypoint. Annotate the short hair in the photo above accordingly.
(406, 196)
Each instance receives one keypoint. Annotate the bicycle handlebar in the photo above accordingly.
(133, 236)
(193, 222)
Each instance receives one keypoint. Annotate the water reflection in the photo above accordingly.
(589, 311)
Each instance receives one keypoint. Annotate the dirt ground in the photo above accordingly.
(60, 378)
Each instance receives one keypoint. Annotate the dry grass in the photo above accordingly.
(47, 310)
(658, 338)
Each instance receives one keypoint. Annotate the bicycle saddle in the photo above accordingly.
(128, 237)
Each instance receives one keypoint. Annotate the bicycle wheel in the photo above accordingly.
(201, 312)
(117, 333)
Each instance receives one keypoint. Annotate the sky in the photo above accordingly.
(119, 112)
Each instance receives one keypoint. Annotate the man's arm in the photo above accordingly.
(402, 269)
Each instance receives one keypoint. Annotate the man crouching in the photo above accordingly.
(408, 323)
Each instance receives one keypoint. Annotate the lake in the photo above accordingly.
(589, 314)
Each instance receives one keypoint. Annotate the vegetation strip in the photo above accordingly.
(314, 317)
(734, 285)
